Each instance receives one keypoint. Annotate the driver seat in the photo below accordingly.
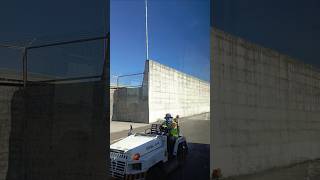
(154, 128)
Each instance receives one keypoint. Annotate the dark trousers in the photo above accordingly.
(170, 141)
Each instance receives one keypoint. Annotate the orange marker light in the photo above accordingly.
(136, 156)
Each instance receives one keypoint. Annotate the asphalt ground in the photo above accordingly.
(196, 129)
(309, 170)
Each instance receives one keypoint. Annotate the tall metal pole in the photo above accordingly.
(147, 40)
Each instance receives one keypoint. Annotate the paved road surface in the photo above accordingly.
(197, 131)
(302, 171)
(117, 126)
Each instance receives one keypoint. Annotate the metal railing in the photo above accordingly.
(129, 75)
(24, 50)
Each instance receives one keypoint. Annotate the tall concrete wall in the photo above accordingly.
(164, 90)
(130, 104)
(265, 107)
(171, 91)
(112, 90)
(6, 94)
(54, 132)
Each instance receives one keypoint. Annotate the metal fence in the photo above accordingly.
(56, 62)
(129, 80)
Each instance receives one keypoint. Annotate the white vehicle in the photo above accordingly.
(140, 155)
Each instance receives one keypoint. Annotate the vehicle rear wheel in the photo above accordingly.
(182, 153)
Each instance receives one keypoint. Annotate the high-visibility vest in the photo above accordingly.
(174, 129)
(174, 132)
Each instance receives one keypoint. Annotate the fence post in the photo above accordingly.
(24, 66)
(106, 63)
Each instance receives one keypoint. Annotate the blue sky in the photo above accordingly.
(291, 27)
(179, 35)
(51, 20)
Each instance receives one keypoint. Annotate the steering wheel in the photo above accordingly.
(164, 130)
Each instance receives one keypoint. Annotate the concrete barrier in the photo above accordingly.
(172, 91)
(130, 104)
(164, 90)
(6, 94)
(112, 89)
(54, 131)
(265, 107)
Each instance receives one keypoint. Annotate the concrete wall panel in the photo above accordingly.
(164, 90)
(265, 107)
(6, 94)
(171, 91)
(130, 104)
(54, 132)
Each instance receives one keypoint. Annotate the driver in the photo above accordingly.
(170, 128)
(167, 125)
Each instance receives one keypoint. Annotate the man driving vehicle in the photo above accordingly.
(171, 130)
(167, 124)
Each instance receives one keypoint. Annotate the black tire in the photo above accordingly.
(155, 173)
(182, 153)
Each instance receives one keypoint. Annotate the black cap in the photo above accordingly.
(168, 115)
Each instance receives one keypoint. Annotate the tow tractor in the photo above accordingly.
(147, 155)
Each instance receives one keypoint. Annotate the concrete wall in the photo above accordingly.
(130, 104)
(6, 94)
(164, 90)
(265, 107)
(111, 101)
(171, 91)
(54, 132)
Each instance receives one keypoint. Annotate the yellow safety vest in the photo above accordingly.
(174, 129)
(174, 132)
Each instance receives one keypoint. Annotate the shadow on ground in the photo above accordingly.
(197, 166)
